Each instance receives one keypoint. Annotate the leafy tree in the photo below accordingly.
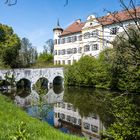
(90, 71)
(50, 46)
(27, 53)
(9, 46)
(125, 69)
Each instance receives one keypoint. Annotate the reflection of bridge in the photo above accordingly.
(33, 75)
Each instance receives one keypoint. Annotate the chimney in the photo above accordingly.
(78, 20)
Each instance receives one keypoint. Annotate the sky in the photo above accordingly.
(35, 19)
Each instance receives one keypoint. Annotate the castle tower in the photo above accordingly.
(57, 32)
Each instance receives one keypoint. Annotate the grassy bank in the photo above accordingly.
(15, 123)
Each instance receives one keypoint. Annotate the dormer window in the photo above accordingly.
(114, 30)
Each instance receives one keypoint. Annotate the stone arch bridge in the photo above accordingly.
(33, 75)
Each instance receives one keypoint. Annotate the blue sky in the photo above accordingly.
(35, 19)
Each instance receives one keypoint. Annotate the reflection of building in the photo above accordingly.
(89, 37)
(90, 126)
(51, 97)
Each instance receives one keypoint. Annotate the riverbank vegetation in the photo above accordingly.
(119, 113)
(16, 124)
(117, 68)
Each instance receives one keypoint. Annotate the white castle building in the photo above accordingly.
(89, 37)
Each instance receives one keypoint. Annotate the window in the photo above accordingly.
(63, 40)
(59, 52)
(95, 47)
(87, 35)
(59, 62)
(74, 50)
(55, 52)
(55, 115)
(94, 128)
(80, 50)
(63, 52)
(69, 51)
(90, 23)
(63, 62)
(62, 116)
(55, 41)
(68, 39)
(86, 48)
(94, 33)
(68, 118)
(58, 41)
(73, 120)
(74, 38)
(63, 104)
(80, 37)
(86, 126)
(69, 62)
(79, 121)
(113, 31)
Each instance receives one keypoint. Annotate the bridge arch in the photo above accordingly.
(23, 83)
(58, 84)
(58, 80)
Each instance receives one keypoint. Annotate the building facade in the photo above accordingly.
(90, 37)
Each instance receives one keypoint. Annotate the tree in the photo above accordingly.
(50, 46)
(27, 53)
(9, 46)
(125, 69)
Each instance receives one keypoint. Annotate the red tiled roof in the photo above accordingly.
(105, 20)
(119, 16)
(73, 28)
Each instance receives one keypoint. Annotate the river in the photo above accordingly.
(77, 111)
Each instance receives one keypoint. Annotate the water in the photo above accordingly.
(78, 111)
(73, 110)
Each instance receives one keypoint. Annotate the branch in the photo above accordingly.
(11, 2)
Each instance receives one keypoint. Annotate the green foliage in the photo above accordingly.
(117, 68)
(11, 116)
(21, 133)
(88, 71)
(45, 59)
(126, 119)
(27, 53)
(9, 46)
(126, 61)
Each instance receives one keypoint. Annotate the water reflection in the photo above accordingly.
(73, 110)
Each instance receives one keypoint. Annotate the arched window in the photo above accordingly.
(86, 48)
(87, 35)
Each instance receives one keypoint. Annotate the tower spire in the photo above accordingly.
(58, 22)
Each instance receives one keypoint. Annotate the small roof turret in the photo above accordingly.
(58, 26)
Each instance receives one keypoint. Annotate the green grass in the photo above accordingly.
(11, 118)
